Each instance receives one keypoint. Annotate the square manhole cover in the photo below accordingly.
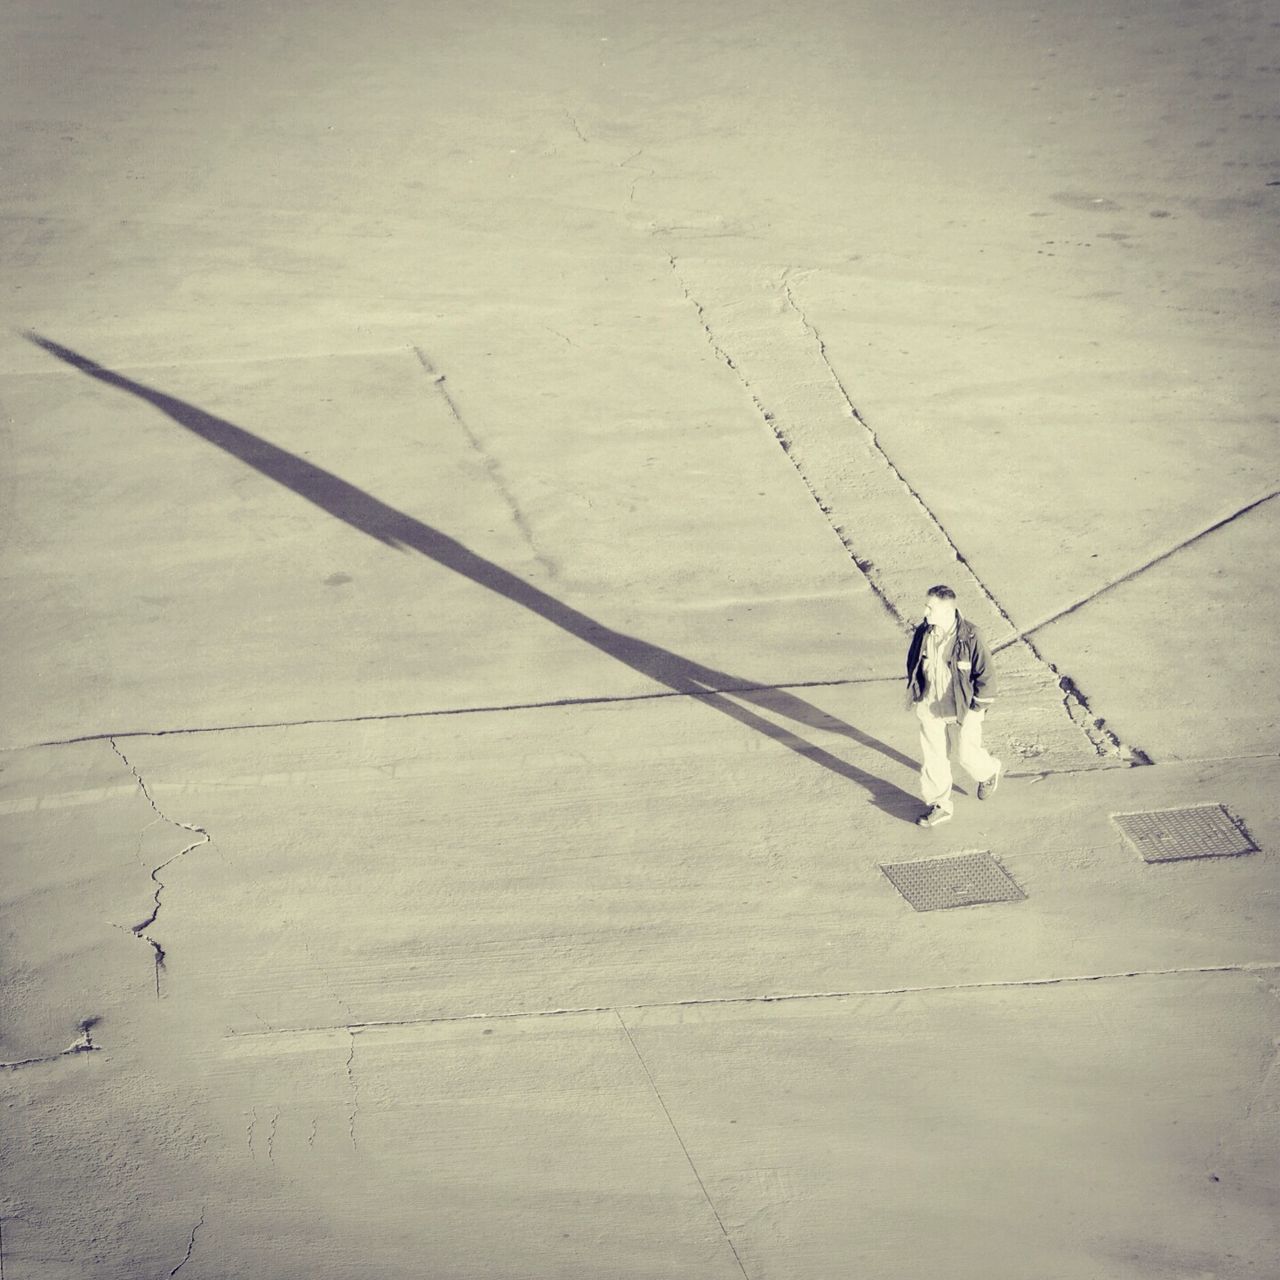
(1166, 835)
(959, 880)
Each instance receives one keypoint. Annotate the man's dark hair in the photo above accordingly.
(942, 591)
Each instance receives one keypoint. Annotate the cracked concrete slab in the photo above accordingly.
(362, 880)
(79, 843)
(144, 929)
(1031, 247)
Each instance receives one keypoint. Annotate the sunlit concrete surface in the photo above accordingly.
(468, 473)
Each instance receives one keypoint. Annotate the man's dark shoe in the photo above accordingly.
(988, 788)
(934, 818)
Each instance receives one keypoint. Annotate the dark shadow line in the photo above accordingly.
(395, 529)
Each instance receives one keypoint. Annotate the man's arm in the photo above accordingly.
(913, 662)
(982, 674)
(913, 651)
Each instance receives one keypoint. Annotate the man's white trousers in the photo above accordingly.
(941, 739)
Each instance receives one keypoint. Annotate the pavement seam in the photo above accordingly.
(653, 1084)
(589, 701)
(1250, 967)
(1141, 569)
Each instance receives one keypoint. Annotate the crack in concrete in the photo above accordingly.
(784, 443)
(353, 1031)
(191, 1244)
(995, 984)
(653, 1084)
(1105, 741)
(140, 930)
(874, 441)
(328, 981)
(491, 465)
(1142, 568)
(83, 1045)
(648, 173)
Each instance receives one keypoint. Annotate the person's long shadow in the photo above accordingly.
(395, 529)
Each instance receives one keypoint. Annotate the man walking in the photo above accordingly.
(949, 678)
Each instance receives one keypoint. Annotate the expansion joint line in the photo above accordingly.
(1080, 603)
(141, 929)
(786, 997)
(552, 704)
(644, 1066)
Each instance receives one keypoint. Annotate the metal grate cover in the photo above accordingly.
(960, 880)
(1167, 835)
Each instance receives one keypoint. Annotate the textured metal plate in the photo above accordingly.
(960, 880)
(1166, 835)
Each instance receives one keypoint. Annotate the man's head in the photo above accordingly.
(940, 607)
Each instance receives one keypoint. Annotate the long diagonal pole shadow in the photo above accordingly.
(395, 529)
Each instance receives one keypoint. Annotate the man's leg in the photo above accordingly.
(935, 767)
(971, 755)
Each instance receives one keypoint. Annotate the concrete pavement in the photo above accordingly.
(467, 475)
(637, 998)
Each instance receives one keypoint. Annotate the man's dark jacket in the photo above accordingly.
(972, 674)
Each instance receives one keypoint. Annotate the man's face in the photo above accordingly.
(939, 613)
